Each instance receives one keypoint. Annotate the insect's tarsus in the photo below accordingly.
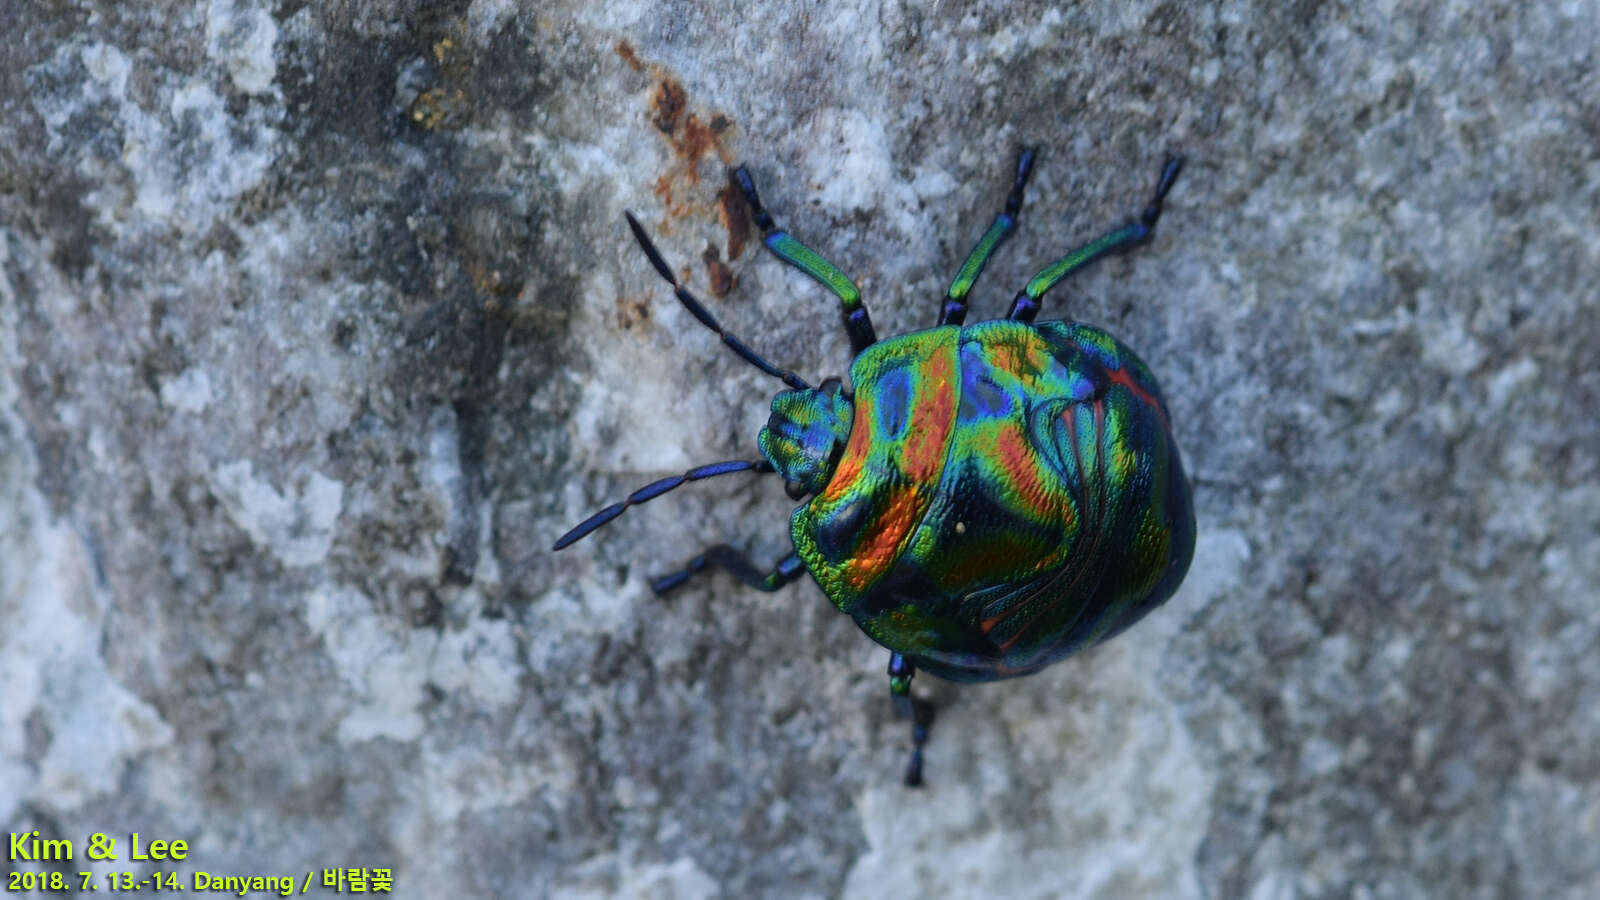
(907, 706)
(1169, 175)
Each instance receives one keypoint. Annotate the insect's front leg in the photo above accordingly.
(856, 321)
(738, 565)
(920, 712)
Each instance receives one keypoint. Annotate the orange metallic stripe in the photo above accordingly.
(848, 472)
(933, 415)
(882, 538)
(1019, 463)
(916, 471)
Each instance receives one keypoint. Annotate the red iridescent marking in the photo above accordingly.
(933, 415)
(1020, 465)
(1005, 356)
(854, 458)
(1095, 536)
(1085, 479)
(1123, 377)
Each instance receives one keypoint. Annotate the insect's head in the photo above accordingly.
(805, 435)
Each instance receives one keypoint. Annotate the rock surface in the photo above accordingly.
(320, 322)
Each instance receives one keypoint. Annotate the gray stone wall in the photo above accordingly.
(319, 323)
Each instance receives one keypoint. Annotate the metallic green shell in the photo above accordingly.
(1010, 493)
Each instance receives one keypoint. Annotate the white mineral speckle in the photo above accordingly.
(297, 527)
(184, 162)
(480, 658)
(1219, 558)
(244, 41)
(386, 664)
(443, 468)
(107, 65)
(864, 168)
(1451, 348)
(52, 670)
(383, 663)
(189, 391)
(1506, 382)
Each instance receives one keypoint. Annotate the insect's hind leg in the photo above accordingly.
(954, 309)
(1120, 240)
(856, 321)
(908, 706)
(736, 564)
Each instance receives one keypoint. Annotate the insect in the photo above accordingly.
(983, 500)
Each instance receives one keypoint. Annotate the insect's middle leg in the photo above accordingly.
(809, 261)
(954, 310)
(907, 706)
(736, 564)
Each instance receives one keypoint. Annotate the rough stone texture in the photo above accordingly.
(319, 322)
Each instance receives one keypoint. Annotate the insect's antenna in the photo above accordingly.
(704, 315)
(656, 489)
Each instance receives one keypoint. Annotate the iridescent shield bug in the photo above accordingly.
(983, 500)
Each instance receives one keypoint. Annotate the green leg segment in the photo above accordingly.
(1121, 240)
(954, 311)
(809, 261)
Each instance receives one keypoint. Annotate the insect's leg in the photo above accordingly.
(698, 310)
(1121, 240)
(954, 310)
(809, 261)
(735, 563)
(920, 712)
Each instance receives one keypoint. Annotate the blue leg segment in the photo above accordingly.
(736, 564)
(954, 310)
(698, 310)
(920, 712)
(856, 321)
(1026, 304)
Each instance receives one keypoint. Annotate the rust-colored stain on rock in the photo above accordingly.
(667, 105)
(735, 215)
(696, 141)
(631, 311)
(721, 278)
(625, 50)
(693, 135)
